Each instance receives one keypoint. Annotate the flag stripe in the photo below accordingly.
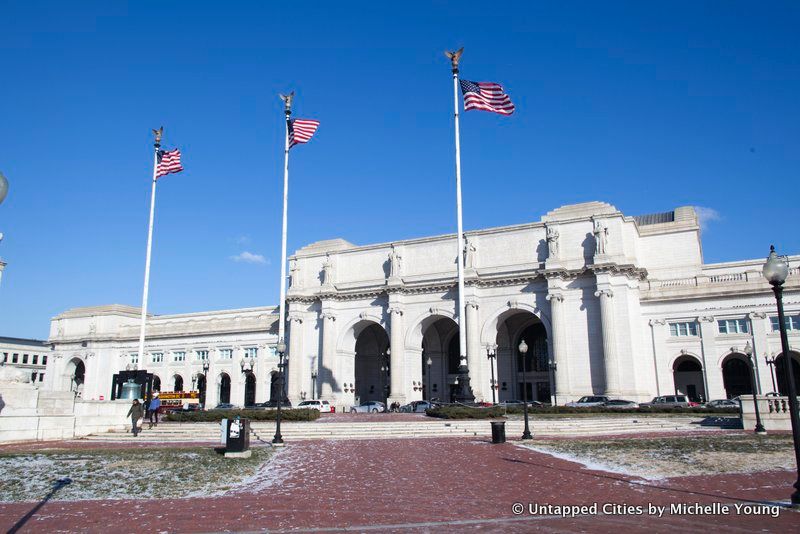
(169, 161)
(301, 131)
(486, 96)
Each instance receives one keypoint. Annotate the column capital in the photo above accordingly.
(654, 322)
(705, 319)
(395, 310)
(555, 297)
(472, 304)
(604, 293)
(295, 318)
(328, 315)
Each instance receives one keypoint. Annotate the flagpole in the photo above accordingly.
(282, 305)
(466, 393)
(156, 147)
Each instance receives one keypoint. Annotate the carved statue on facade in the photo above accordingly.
(395, 263)
(294, 270)
(600, 237)
(469, 253)
(552, 242)
(327, 270)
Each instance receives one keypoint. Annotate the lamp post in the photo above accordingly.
(553, 368)
(771, 363)
(523, 349)
(491, 353)
(748, 351)
(313, 385)
(776, 269)
(429, 362)
(206, 367)
(277, 440)
(385, 374)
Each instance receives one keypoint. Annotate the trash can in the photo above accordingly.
(498, 431)
(237, 435)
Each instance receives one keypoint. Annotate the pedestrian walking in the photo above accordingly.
(136, 412)
(155, 404)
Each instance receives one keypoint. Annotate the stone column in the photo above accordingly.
(562, 388)
(326, 372)
(296, 365)
(397, 385)
(759, 326)
(715, 387)
(474, 353)
(656, 339)
(610, 358)
(212, 388)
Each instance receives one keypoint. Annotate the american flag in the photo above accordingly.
(169, 161)
(301, 130)
(486, 96)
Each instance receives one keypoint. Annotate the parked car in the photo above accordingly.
(722, 403)
(369, 407)
(416, 407)
(321, 405)
(669, 401)
(620, 404)
(589, 401)
(225, 406)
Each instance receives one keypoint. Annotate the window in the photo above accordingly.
(792, 322)
(225, 354)
(5, 357)
(683, 329)
(733, 326)
(179, 356)
(135, 358)
(24, 358)
(41, 377)
(44, 360)
(35, 359)
(15, 358)
(202, 355)
(157, 357)
(251, 352)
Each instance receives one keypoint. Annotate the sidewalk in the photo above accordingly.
(424, 485)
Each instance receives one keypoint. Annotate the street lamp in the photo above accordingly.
(771, 363)
(491, 353)
(429, 362)
(277, 440)
(553, 368)
(523, 349)
(748, 351)
(385, 374)
(206, 367)
(313, 385)
(776, 269)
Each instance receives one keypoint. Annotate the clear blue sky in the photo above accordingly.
(645, 106)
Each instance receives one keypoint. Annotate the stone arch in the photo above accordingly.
(687, 376)
(351, 331)
(371, 372)
(489, 328)
(223, 382)
(156, 382)
(736, 376)
(780, 372)
(420, 324)
(74, 375)
(177, 382)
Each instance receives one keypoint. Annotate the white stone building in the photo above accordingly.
(27, 355)
(608, 303)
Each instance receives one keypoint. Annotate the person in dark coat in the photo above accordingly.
(136, 412)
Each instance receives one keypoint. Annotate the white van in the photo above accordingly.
(321, 405)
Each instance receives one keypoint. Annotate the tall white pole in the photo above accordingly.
(282, 305)
(157, 145)
(462, 332)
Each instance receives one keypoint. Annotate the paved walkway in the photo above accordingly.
(423, 485)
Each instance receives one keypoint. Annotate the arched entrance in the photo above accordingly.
(177, 383)
(687, 374)
(249, 389)
(780, 373)
(75, 376)
(201, 388)
(440, 343)
(224, 388)
(512, 329)
(372, 372)
(156, 383)
(736, 376)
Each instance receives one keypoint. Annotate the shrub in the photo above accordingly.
(467, 412)
(305, 414)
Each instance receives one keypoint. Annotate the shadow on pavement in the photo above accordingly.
(57, 486)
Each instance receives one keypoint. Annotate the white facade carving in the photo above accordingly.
(608, 304)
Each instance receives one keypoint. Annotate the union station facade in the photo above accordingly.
(608, 303)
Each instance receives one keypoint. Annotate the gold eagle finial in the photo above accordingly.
(158, 133)
(287, 100)
(454, 57)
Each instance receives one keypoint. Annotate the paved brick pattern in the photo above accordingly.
(421, 485)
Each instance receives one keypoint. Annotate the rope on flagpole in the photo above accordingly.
(156, 146)
(287, 99)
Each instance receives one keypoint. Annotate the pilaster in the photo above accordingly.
(398, 388)
(715, 387)
(327, 364)
(296, 369)
(562, 386)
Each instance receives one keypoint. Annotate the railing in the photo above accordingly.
(706, 279)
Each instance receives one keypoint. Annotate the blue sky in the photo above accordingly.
(646, 106)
